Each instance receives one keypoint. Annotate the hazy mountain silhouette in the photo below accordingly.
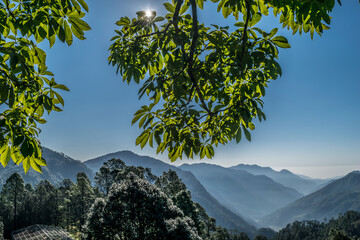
(242, 192)
(337, 197)
(303, 185)
(223, 216)
(60, 166)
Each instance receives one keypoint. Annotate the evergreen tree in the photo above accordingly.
(106, 176)
(81, 199)
(48, 207)
(115, 170)
(135, 209)
(1, 230)
(338, 235)
(66, 212)
(28, 211)
(12, 195)
(174, 188)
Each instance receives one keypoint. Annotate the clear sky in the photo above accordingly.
(313, 110)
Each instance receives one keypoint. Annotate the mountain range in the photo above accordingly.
(303, 185)
(242, 197)
(246, 194)
(223, 216)
(337, 197)
(60, 166)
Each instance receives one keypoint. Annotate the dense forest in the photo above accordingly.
(128, 202)
(345, 227)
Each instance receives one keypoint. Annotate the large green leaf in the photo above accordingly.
(281, 41)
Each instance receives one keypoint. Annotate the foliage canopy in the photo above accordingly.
(205, 83)
(27, 87)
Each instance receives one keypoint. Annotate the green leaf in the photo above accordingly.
(169, 7)
(40, 161)
(143, 138)
(62, 87)
(26, 164)
(68, 34)
(247, 134)
(142, 121)
(273, 32)
(41, 55)
(238, 135)
(306, 27)
(16, 156)
(184, 8)
(123, 21)
(5, 156)
(61, 33)
(240, 24)
(200, 3)
(4, 93)
(202, 152)
(255, 19)
(151, 137)
(251, 126)
(136, 118)
(52, 39)
(159, 19)
(281, 41)
(209, 151)
(34, 165)
(26, 148)
(77, 32)
(59, 98)
(82, 25)
(76, 5)
(226, 11)
(42, 32)
(84, 5)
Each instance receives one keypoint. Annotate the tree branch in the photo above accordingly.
(176, 14)
(191, 57)
(244, 37)
(10, 12)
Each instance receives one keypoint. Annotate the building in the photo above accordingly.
(40, 232)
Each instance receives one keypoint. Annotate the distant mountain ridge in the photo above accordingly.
(60, 166)
(337, 197)
(250, 195)
(285, 177)
(233, 195)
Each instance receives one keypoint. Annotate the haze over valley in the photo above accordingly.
(243, 197)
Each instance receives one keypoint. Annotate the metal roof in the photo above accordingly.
(40, 232)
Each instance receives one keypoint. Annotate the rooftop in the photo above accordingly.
(40, 232)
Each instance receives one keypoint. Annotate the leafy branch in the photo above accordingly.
(206, 84)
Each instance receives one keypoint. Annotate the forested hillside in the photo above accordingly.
(244, 193)
(223, 215)
(60, 167)
(338, 197)
(345, 227)
(213, 187)
(127, 201)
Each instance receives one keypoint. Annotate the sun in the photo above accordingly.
(148, 13)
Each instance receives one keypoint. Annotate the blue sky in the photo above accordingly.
(313, 110)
